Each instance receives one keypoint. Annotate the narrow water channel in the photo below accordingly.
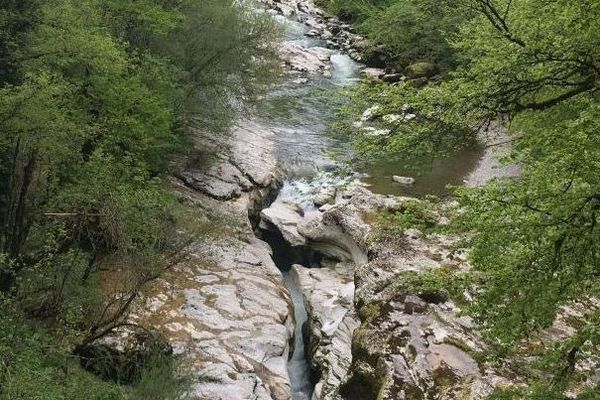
(302, 377)
(298, 367)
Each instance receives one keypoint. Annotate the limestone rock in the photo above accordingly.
(325, 196)
(330, 239)
(228, 311)
(421, 70)
(392, 78)
(413, 304)
(372, 73)
(404, 180)
(284, 217)
(304, 59)
(328, 295)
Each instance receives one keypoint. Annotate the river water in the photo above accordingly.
(299, 113)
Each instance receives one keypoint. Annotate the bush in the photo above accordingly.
(35, 365)
(414, 214)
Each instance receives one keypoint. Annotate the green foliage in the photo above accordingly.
(229, 56)
(33, 365)
(421, 130)
(540, 391)
(534, 239)
(414, 214)
(407, 31)
(162, 379)
(539, 231)
(419, 34)
(351, 10)
(441, 284)
(97, 98)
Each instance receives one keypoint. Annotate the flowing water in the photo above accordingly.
(302, 377)
(299, 112)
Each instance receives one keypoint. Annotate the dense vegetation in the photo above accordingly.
(403, 31)
(96, 99)
(533, 66)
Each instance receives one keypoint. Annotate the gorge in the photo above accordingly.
(229, 310)
(299, 200)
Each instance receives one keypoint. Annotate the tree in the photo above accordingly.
(405, 31)
(534, 239)
(420, 28)
(97, 98)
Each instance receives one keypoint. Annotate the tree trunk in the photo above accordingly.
(18, 223)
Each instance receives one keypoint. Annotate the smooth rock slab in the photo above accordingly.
(284, 217)
(328, 295)
(227, 310)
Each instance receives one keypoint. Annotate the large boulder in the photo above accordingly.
(404, 180)
(327, 237)
(221, 181)
(243, 166)
(306, 59)
(421, 70)
(284, 217)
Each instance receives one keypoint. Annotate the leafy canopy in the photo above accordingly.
(533, 65)
(98, 99)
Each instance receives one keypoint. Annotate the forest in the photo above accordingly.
(101, 105)
(98, 99)
(532, 66)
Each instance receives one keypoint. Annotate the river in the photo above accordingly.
(299, 111)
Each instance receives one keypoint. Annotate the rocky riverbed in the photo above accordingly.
(368, 338)
(227, 308)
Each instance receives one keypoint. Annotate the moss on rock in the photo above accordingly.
(422, 70)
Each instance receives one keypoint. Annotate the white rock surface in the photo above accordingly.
(245, 162)
(226, 307)
(227, 310)
(284, 217)
(404, 180)
(303, 59)
(329, 295)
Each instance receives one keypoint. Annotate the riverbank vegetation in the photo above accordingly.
(403, 32)
(96, 100)
(532, 67)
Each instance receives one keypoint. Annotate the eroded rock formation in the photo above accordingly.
(371, 336)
